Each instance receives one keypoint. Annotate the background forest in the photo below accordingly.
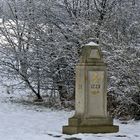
(40, 44)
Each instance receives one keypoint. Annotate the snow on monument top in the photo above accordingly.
(92, 44)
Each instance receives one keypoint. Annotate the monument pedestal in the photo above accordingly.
(91, 95)
(93, 125)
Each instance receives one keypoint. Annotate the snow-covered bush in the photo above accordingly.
(124, 81)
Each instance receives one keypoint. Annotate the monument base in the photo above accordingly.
(90, 125)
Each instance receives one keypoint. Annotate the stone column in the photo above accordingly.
(91, 95)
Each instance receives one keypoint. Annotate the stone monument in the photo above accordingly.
(91, 96)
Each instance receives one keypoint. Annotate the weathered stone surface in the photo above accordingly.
(90, 129)
(90, 125)
(90, 121)
(91, 95)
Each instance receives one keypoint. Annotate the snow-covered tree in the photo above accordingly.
(42, 42)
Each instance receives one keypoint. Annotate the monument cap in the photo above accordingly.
(91, 53)
(91, 44)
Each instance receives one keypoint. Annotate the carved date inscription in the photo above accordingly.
(96, 86)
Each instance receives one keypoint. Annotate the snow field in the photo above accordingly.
(24, 122)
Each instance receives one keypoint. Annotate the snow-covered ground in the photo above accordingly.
(24, 122)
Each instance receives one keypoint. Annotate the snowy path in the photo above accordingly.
(21, 122)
